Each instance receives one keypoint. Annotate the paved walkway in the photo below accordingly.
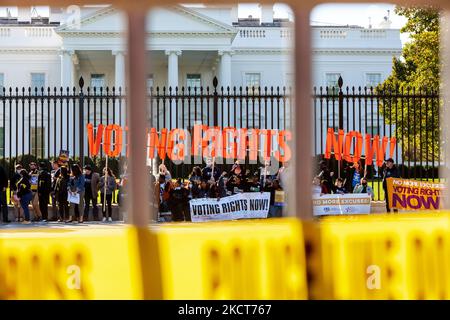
(60, 225)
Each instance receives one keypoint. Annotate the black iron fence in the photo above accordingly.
(409, 114)
(41, 122)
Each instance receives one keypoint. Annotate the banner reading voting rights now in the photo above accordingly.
(239, 206)
(414, 194)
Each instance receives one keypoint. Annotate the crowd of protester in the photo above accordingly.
(352, 180)
(173, 196)
(72, 190)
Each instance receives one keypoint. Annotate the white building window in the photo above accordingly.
(373, 131)
(331, 80)
(37, 141)
(97, 81)
(253, 80)
(37, 81)
(2, 82)
(150, 83)
(193, 80)
(373, 79)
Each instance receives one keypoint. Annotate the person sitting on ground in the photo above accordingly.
(254, 184)
(339, 186)
(235, 185)
(319, 187)
(363, 187)
(204, 191)
(207, 173)
(222, 185)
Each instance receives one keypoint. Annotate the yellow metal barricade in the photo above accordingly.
(401, 256)
(222, 260)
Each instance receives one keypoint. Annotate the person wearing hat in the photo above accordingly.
(390, 171)
(13, 185)
(91, 181)
(34, 176)
(44, 189)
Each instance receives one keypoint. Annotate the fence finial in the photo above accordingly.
(340, 82)
(215, 82)
(81, 82)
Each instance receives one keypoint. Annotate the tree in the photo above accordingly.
(416, 73)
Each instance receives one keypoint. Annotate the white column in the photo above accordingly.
(225, 69)
(172, 70)
(119, 70)
(67, 68)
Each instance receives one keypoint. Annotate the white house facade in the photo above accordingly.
(187, 47)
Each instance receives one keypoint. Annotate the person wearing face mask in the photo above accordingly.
(363, 187)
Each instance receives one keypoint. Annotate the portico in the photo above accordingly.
(178, 56)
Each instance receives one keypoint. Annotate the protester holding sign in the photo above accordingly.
(390, 171)
(163, 171)
(339, 186)
(207, 172)
(34, 177)
(414, 195)
(76, 193)
(362, 187)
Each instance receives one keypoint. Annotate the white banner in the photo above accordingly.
(336, 204)
(239, 206)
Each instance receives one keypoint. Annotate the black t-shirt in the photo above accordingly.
(87, 183)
